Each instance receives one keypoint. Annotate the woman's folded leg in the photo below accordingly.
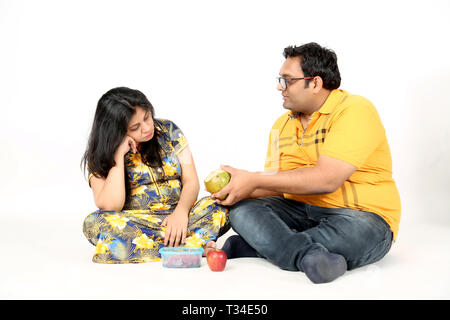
(124, 237)
(207, 222)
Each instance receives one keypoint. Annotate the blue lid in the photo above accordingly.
(181, 250)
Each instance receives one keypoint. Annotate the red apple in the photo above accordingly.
(217, 259)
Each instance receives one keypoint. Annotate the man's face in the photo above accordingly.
(295, 97)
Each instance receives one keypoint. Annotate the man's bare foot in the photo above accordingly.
(211, 245)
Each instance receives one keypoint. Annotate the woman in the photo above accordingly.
(145, 184)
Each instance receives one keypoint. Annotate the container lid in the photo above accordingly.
(181, 250)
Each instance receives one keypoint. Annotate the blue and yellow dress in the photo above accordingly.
(135, 234)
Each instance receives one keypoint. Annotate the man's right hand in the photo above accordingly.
(241, 186)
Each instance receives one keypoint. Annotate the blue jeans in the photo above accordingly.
(283, 231)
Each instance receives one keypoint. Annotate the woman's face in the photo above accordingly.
(141, 127)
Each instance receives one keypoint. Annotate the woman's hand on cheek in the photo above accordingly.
(125, 146)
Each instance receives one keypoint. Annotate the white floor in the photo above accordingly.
(49, 258)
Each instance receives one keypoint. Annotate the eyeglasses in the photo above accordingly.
(284, 81)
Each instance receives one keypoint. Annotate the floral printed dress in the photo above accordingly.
(135, 234)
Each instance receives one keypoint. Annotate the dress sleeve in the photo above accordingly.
(176, 137)
(90, 175)
(354, 134)
(89, 178)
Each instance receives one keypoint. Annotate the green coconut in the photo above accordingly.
(216, 180)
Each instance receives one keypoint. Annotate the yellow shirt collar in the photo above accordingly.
(336, 96)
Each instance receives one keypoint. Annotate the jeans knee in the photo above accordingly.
(241, 213)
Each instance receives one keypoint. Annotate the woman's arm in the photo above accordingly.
(189, 180)
(177, 221)
(109, 192)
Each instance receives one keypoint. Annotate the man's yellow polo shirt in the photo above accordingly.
(347, 127)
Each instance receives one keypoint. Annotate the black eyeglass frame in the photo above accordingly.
(286, 81)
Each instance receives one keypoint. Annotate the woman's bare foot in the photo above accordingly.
(211, 245)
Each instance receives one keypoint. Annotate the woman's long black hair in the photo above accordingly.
(112, 116)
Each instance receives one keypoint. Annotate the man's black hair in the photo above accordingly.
(316, 60)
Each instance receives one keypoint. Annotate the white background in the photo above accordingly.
(210, 67)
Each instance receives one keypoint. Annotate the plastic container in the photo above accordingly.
(181, 257)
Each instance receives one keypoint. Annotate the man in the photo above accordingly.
(326, 202)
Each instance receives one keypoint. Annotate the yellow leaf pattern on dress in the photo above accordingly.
(148, 217)
(169, 169)
(160, 206)
(143, 242)
(195, 240)
(219, 218)
(117, 221)
(174, 184)
(101, 247)
(138, 190)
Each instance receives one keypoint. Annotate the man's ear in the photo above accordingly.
(317, 84)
